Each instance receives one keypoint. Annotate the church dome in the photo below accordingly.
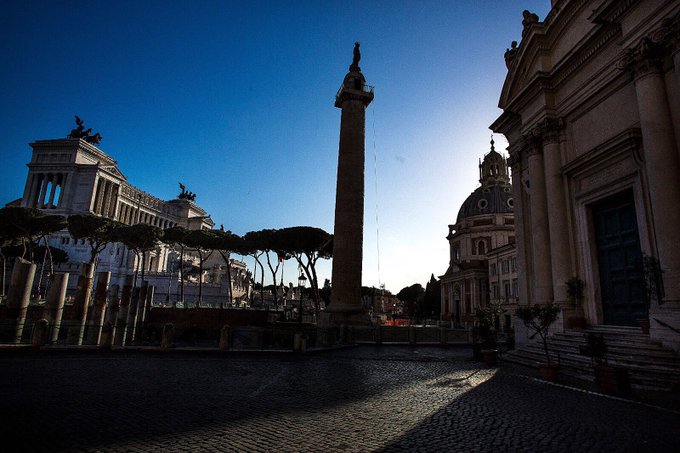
(495, 199)
(495, 194)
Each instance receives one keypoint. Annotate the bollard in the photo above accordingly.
(412, 334)
(100, 303)
(126, 308)
(19, 295)
(148, 303)
(343, 334)
(82, 299)
(106, 337)
(378, 333)
(39, 334)
(297, 342)
(56, 296)
(138, 301)
(225, 338)
(168, 340)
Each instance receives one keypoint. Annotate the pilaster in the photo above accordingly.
(540, 235)
(662, 160)
(551, 131)
(515, 163)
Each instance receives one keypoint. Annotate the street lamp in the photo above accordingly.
(302, 281)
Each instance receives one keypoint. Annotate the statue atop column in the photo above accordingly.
(357, 57)
(80, 132)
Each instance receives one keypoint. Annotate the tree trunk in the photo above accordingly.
(181, 275)
(4, 269)
(274, 272)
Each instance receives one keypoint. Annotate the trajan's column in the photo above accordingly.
(353, 97)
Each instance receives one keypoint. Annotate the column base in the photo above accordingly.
(348, 318)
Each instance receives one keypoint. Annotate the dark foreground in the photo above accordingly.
(361, 399)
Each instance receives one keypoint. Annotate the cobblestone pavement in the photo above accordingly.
(362, 399)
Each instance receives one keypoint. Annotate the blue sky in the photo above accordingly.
(235, 100)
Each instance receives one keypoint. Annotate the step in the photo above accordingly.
(586, 373)
(642, 376)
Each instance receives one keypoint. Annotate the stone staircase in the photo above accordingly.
(650, 366)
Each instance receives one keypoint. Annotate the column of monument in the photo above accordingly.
(41, 196)
(540, 239)
(82, 297)
(53, 179)
(560, 252)
(662, 160)
(353, 98)
(99, 306)
(19, 295)
(54, 305)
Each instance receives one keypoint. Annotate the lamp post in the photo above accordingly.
(302, 281)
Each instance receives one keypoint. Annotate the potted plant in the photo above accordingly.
(575, 292)
(608, 378)
(485, 333)
(654, 290)
(540, 318)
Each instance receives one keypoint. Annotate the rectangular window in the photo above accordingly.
(496, 291)
(492, 269)
(506, 266)
(513, 264)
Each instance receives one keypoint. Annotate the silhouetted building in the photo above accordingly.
(484, 223)
(73, 176)
(591, 110)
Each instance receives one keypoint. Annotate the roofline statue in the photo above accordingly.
(186, 195)
(80, 132)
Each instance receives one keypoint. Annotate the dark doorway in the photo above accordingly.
(620, 260)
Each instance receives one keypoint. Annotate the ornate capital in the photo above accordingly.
(550, 130)
(515, 161)
(532, 143)
(669, 33)
(649, 54)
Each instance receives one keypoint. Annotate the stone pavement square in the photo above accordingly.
(364, 399)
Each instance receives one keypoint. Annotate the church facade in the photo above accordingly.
(591, 111)
(73, 176)
(481, 241)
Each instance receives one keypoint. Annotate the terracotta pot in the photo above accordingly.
(549, 371)
(612, 380)
(490, 356)
(576, 322)
(644, 325)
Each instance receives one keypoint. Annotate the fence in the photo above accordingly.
(278, 336)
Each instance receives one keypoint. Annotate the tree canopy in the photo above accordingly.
(307, 245)
(97, 231)
(25, 225)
